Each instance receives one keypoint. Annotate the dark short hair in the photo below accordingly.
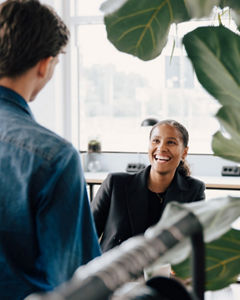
(183, 167)
(29, 32)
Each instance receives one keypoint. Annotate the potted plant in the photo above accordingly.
(141, 28)
(93, 156)
(94, 146)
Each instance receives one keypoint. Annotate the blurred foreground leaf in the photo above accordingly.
(227, 143)
(223, 243)
(222, 262)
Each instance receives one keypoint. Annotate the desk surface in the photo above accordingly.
(221, 182)
(211, 182)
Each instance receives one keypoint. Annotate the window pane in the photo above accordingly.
(118, 91)
(85, 8)
(172, 72)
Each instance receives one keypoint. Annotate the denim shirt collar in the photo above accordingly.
(9, 95)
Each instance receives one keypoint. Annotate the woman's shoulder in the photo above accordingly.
(119, 176)
(125, 176)
(117, 180)
(193, 180)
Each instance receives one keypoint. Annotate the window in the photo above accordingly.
(116, 91)
(48, 107)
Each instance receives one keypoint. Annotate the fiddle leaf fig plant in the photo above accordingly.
(141, 28)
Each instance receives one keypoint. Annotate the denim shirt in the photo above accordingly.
(46, 226)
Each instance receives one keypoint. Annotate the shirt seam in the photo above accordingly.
(22, 145)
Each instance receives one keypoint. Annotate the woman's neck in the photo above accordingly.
(158, 183)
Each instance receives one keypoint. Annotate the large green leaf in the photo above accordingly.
(227, 144)
(234, 4)
(141, 27)
(215, 215)
(215, 55)
(200, 8)
(222, 263)
(228, 117)
(224, 148)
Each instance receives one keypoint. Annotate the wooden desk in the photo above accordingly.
(211, 182)
(221, 182)
(92, 179)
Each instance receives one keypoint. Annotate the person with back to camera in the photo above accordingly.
(46, 226)
(127, 204)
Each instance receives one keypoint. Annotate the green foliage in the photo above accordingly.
(228, 145)
(222, 262)
(94, 146)
(141, 28)
(215, 55)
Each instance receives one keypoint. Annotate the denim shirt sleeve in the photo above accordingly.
(65, 228)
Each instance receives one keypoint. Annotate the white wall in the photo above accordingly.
(200, 164)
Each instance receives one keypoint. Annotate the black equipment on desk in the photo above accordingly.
(230, 171)
(134, 167)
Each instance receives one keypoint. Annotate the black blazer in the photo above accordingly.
(121, 204)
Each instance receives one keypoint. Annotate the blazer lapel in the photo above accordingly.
(137, 201)
(176, 190)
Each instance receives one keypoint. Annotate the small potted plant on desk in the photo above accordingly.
(93, 158)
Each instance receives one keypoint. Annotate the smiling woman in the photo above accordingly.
(127, 204)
